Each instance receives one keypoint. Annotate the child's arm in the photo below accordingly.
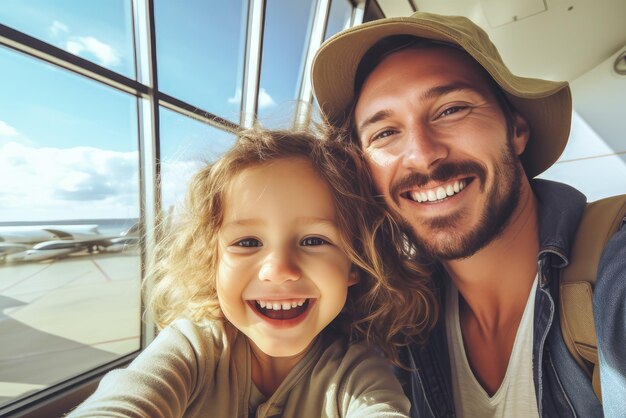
(160, 383)
(370, 388)
(374, 391)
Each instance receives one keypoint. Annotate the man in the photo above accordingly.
(452, 139)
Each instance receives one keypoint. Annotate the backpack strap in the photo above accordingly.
(600, 220)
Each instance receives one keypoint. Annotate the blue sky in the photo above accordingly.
(68, 145)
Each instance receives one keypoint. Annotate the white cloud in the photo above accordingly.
(57, 27)
(73, 183)
(104, 53)
(265, 99)
(236, 98)
(7, 130)
(9, 133)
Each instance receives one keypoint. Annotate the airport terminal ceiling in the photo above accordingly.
(96, 93)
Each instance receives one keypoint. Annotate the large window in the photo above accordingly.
(103, 105)
(99, 31)
(69, 198)
(186, 146)
(200, 53)
(285, 43)
(339, 17)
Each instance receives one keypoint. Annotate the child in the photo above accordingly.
(261, 288)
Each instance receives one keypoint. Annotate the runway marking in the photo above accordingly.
(26, 278)
(106, 276)
(42, 295)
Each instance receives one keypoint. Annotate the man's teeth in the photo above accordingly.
(439, 193)
(278, 305)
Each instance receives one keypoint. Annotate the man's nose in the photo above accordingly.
(279, 267)
(423, 150)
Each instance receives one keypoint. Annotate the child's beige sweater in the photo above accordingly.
(190, 371)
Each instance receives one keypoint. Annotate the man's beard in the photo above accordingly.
(499, 206)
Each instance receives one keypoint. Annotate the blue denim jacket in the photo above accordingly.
(562, 388)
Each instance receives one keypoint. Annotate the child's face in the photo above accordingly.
(281, 276)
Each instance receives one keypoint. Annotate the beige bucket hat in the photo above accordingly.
(546, 105)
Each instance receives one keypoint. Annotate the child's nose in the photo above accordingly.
(279, 268)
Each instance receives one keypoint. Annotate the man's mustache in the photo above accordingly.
(441, 173)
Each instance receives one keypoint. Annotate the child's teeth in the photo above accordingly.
(277, 306)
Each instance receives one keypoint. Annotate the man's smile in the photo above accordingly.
(437, 193)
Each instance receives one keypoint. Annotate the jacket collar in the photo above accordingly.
(560, 208)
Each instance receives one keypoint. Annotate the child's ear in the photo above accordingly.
(353, 277)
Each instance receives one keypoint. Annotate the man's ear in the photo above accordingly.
(353, 277)
(521, 133)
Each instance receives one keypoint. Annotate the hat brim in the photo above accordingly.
(546, 105)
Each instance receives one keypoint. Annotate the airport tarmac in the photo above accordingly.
(62, 317)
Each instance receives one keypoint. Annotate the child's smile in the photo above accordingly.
(282, 312)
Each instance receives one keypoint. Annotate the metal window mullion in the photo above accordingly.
(252, 62)
(189, 110)
(358, 13)
(39, 49)
(36, 404)
(149, 149)
(305, 96)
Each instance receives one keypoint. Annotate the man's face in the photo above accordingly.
(436, 141)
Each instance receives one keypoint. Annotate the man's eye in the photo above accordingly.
(249, 242)
(313, 241)
(451, 110)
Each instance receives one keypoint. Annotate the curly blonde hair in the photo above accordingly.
(391, 304)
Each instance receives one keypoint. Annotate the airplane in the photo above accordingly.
(40, 255)
(30, 234)
(121, 244)
(7, 248)
(55, 249)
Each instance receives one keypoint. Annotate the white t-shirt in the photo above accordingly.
(516, 395)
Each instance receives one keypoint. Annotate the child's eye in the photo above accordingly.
(249, 242)
(313, 241)
(383, 134)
